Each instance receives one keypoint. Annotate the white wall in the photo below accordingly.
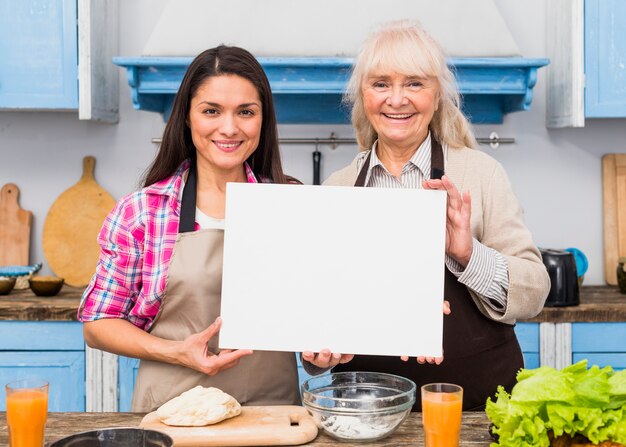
(556, 173)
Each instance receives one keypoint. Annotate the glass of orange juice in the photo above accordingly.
(27, 411)
(442, 406)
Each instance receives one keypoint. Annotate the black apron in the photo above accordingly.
(479, 353)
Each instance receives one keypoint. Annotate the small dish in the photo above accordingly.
(45, 285)
(6, 285)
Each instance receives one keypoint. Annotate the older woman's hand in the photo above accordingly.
(325, 358)
(459, 243)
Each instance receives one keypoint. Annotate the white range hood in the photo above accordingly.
(306, 49)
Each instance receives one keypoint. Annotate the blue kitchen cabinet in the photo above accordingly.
(601, 344)
(528, 337)
(50, 350)
(127, 374)
(39, 53)
(605, 58)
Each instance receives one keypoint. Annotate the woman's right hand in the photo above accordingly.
(325, 358)
(194, 352)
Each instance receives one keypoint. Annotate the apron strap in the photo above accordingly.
(436, 158)
(436, 162)
(188, 203)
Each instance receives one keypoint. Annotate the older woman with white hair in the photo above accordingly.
(412, 134)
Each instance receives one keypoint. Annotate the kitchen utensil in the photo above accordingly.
(271, 425)
(358, 406)
(15, 226)
(561, 267)
(582, 264)
(45, 285)
(614, 207)
(71, 228)
(116, 437)
(317, 159)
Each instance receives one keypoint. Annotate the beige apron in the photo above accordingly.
(191, 302)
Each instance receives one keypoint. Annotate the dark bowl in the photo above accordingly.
(6, 285)
(116, 437)
(45, 285)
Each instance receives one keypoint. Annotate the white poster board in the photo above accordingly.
(354, 270)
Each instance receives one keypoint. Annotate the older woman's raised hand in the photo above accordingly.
(459, 243)
(325, 358)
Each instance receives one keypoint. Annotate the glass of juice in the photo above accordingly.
(27, 411)
(442, 406)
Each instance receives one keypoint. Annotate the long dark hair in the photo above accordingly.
(176, 145)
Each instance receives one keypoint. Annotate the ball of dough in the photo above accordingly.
(199, 406)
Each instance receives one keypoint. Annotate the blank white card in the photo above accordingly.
(354, 270)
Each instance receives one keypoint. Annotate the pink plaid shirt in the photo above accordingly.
(137, 240)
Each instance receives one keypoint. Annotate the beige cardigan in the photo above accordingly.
(496, 222)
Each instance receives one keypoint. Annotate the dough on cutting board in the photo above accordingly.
(197, 407)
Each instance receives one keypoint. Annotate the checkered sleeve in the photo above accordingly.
(116, 284)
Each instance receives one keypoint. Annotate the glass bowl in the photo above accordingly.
(358, 406)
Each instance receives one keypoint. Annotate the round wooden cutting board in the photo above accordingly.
(72, 225)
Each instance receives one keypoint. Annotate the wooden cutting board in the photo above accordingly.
(15, 226)
(72, 225)
(271, 425)
(614, 207)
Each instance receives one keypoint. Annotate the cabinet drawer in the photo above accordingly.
(615, 359)
(41, 336)
(598, 337)
(64, 371)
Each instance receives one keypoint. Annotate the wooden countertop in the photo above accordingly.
(597, 304)
(473, 432)
(25, 305)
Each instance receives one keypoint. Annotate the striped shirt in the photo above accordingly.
(137, 240)
(487, 271)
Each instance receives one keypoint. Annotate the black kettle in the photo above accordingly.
(561, 267)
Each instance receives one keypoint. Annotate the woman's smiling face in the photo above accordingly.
(225, 118)
(400, 107)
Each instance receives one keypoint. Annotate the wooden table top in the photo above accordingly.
(474, 431)
(597, 304)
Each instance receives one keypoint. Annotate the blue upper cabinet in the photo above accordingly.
(586, 44)
(39, 54)
(56, 55)
(605, 58)
(309, 90)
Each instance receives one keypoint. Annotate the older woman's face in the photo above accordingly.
(400, 108)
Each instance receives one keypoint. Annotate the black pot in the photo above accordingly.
(116, 437)
(561, 267)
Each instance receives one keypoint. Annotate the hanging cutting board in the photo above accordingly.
(72, 225)
(271, 425)
(15, 226)
(614, 209)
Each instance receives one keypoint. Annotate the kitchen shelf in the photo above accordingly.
(309, 90)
